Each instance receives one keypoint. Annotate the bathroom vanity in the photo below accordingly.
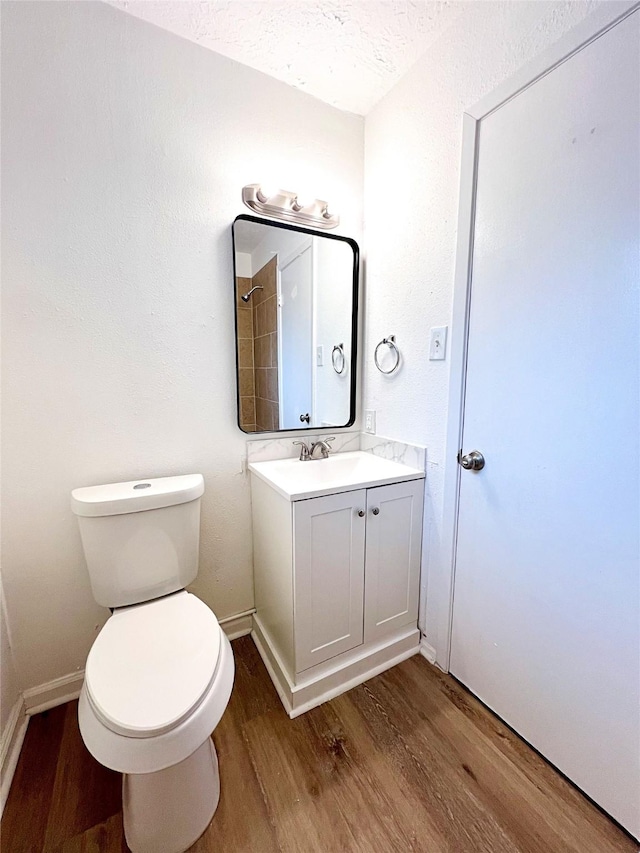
(337, 546)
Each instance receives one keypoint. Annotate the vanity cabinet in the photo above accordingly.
(356, 567)
(336, 580)
(392, 558)
(328, 566)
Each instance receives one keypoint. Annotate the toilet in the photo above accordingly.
(160, 672)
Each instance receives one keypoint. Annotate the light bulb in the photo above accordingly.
(265, 193)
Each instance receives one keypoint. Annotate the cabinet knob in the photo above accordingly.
(375, 510)
(361, 513)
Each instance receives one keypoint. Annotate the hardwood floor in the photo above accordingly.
(409, 761)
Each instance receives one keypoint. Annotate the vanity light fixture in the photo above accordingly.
(285, 205)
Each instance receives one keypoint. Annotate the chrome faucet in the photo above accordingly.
(318, 450)
(304, 451)
(322, 447)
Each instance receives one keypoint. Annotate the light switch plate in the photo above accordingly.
(370, 421)
(438, 343)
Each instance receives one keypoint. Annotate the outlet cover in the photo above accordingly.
(370, 421)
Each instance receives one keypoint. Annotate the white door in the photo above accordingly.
(392, 561)
(329, 535)
(295, 340)
(546, 607)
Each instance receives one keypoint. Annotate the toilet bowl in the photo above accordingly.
(157, 682)
(160, 673)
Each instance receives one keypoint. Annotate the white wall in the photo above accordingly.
(128, 148)
(276, 241)
(412, 158)
(243, 265)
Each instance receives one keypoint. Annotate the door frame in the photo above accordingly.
(596, 25)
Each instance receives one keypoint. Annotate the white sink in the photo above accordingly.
(341, 472)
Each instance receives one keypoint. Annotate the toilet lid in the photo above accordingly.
(152, 663)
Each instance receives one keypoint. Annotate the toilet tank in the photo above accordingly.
(140, 538)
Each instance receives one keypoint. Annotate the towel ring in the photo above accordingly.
(391, 343)
(337, 358)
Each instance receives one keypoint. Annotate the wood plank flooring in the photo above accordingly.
(409, 761)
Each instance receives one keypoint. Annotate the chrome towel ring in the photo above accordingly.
(391, 343)
(337, 358)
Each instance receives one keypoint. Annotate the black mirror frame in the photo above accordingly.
(354, 318)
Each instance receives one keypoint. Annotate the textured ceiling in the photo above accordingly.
(348, 53)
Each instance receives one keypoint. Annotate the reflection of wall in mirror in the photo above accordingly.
(246, 378)
(265, 331)
(333, 317)
(292, 355)
(295, 330)
(257, 347)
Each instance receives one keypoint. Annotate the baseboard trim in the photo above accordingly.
(10, 746)
(348, 670)
(53, 693)
(427, 651)
(32, 701)
(275, 670)
(239, 625)
(352, 682)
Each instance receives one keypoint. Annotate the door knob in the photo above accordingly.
(361, 513)
(304, 418)
(473, 461)
(375, 510)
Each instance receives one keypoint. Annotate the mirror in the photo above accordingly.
(296, 295)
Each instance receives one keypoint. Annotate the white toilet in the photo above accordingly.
(159, 675)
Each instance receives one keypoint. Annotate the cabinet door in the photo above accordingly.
(394, 540)
(328, 575)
